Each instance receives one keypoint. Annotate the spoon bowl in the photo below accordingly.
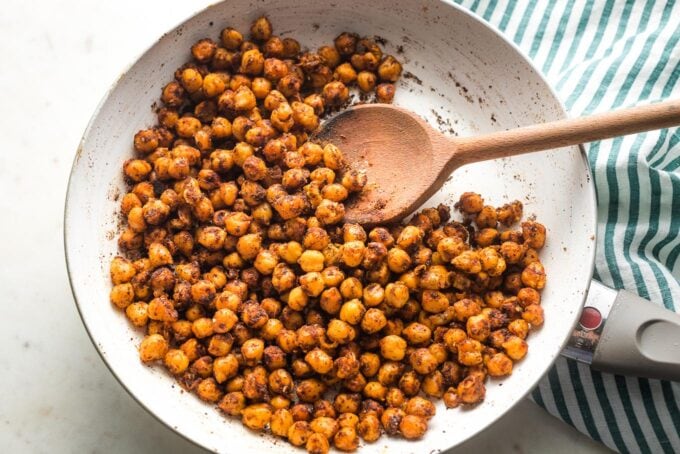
(406, 160)
(393, 147)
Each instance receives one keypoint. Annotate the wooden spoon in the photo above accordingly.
(407, 161)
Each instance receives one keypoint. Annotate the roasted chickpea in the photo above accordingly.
(346, 439)
(385, 93)
(335, 93)
(319, 360)
(390, 69)
(412, 427)
(533, 275)
(396, 294)
(280, 422)
(393, 347)
(257, 416)
(154, 347)
(471, 390)
(261, 29)
(231, 39)
(515, 347)
(398, 260)
(340, 331)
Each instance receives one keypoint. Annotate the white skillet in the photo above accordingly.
(466, 78)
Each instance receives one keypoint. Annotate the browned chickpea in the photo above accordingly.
(420, 407)
(369, 364)
(487, 237)
(280, 422)
(137, 313)
(231, 38)
(533, 275)
(317, 444)
(310, 390)
(515, 347)
(325, 426)
(204, 50)
(290, 48)
(519, 328)
(335, 93)
(137, 169)
(121, 270)
(417, 333)
(423, 361)
(153, 347)
(122, 295)
(208, 390)
(512, 283)
(261, 87)
(233, 403)
(533, 314)
(390, 69)
(396, 294)
(478, 327)
(346, 43)
(498, 365)
(261, 29)
(393, 347)
(161, 309)
(451, 399)
(176, 361)
(129, 202)
(385, 93)
(470, 203)
(319, 360)
(256, 416)
(252, 350)
(289, 85)
(340, 332)
(274, 69)
(329, 212)
(375, 390)
(324, 409)
(369, 427)
(366, 81)
(398, 260)
(345, 73)
(304, 116)
(301, 412)
(412, 427)
(173, 95)
(373, 321)
(225, 367)
(346, 366)
(252, 63)
(346, 439)
(249, 245)
(471, 390)
(395, 398)
(469, 352)
(528, 296)
(510, 213)
(434, 301)
(187, 127)
(146, 140)
(433, 384)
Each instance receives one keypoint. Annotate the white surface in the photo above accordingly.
(59, 58)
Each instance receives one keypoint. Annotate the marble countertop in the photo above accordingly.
(59, 58)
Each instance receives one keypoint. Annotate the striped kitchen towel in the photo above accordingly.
(601, 55)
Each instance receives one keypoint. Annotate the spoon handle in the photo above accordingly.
(568, 132)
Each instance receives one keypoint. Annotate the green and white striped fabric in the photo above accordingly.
(601, 55)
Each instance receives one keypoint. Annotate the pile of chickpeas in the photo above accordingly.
(257, 297)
